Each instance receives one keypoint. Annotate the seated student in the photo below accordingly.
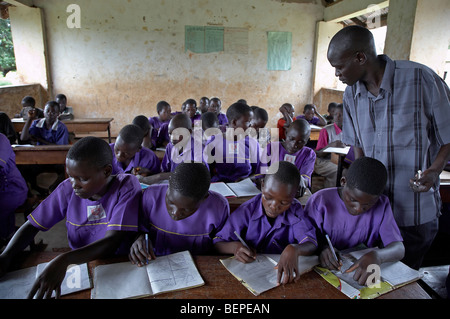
(183, 215)
(203, 105)
(330, 110)
(164, 115)
(258, 122)
(271, 222)
(13, 190)
(48, 130)
(210, 126)
(189, 108)
(331, 136)
(101, 212)
(7, 128)
(234, 155)
(130, 157)
(357, 213)
(28, 102)
(311, 115)
(287, 110)
(293, 150)
(66, 112)
(182, 147)
(215, 105)
(147, 129)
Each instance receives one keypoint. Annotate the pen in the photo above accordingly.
(419, 176)
(331, 247)
(146, 244)
(243, 242)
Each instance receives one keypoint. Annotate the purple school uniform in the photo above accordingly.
(156, 123)
(328, 214)
(303, 159)
(57, 134)
(315, 120)
(193, 151)
(194, 233)
(233, 159)
(13, 188)
(163, 134)
(144, 158)
(251, 223)
(223, 120)
(88, 221)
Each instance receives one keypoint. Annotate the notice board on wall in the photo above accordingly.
(279, 50)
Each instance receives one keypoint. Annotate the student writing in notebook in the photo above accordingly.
(130, 157)
(183, 215)
(272, 222)
(293, 150)
(356, 213)
(101, 210)
(147, 129)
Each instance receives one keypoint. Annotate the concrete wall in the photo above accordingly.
(11, 97)
(128, 55)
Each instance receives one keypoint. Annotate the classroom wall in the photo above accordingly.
(129, 54)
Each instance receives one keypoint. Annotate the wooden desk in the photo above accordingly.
(42, 154)
(314, 134)
(220, 284)
(78, 125)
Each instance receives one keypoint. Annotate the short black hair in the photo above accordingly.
(332, 105)
(132, 134)
(61, 96)
(260, 113)
(367, 175)
(143, 122)
(308, 107)
(237, 110)
(209, 119)
(161, 105)
(52, 104)
(287, 173)
(191, 180)
(91, 149)
(190, 101)
(181, 120)
(29, 100)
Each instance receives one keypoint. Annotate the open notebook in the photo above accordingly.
(166, 273)
(260, 275)
(239, 189)
(17, 284)
(393, 275)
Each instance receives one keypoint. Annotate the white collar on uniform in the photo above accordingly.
(41, 122)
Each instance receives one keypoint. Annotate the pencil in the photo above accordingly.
(331, 247)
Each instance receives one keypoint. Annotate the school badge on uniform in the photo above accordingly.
(95, 212)
(290, 158)
(233, 148)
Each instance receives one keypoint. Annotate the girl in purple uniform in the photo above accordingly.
(164, 115)
(356, 213)
(101, 212)
(130, 157)
(13, 189)
(183, 215)
(272, 222)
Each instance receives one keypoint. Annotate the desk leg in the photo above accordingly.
(109, 133)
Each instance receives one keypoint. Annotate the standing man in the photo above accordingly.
(399, 113)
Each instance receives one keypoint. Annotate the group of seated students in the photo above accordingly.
(107, 212)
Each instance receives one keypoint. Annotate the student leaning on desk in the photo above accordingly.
(101, 210)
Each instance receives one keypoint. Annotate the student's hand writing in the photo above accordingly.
(288, 265)
(423, 184)
(244, 254)
(327, 260)
(361, 265)
(49, 280)
(139, 254)
(142, 171)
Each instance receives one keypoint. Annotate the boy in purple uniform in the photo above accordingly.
(293, 150)
(183, 215)
(233, 156)
(189, 108)
(311, 115)
(215, 105)
(13, 189)
(357, 213)
(101, 210)
(48, 130)
(130, 157)
(164, 115)
(272, 222)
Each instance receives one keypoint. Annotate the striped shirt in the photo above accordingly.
(403, 127)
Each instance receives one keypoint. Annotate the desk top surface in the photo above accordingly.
(219, 283)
